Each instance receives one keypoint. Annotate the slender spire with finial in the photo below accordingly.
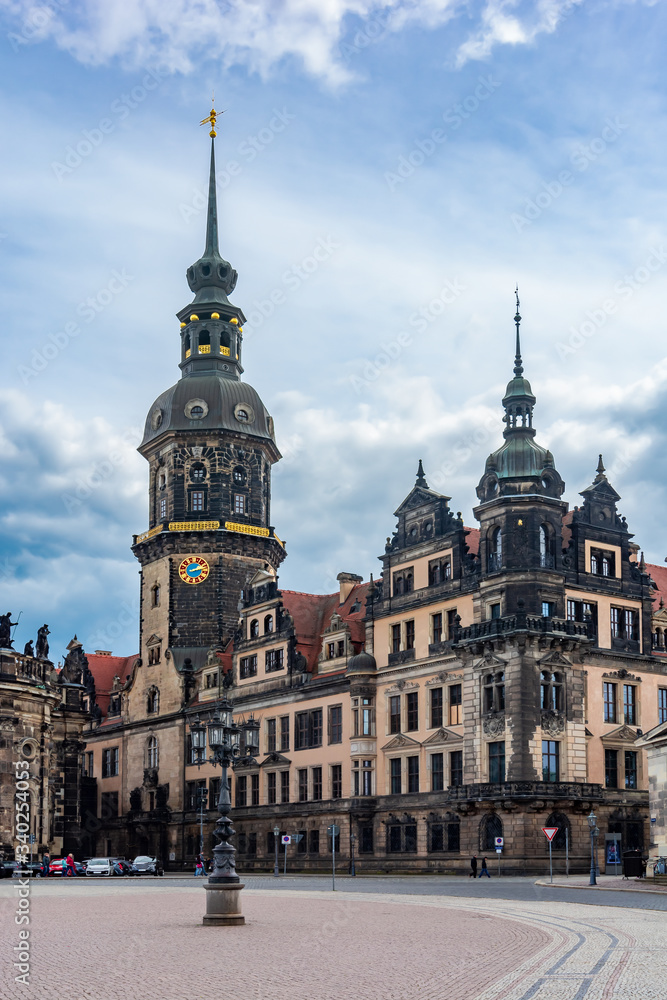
(518, 365)
(421, 478)
(212, 218)
(600, 470)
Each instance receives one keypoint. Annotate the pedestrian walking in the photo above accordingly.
(63, 868)
(485, 870)
(46, 861)
(199, 866)
(71, 870)
(473, 866)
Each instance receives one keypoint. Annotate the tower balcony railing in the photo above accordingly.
(522, 622)
(224, 350)
(204, 348)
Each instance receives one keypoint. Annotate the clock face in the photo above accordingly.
(193, 569)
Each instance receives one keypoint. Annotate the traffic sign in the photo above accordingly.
(499, 841)
(333, 830)
(550, 832)
(286, 839)
(499, 850)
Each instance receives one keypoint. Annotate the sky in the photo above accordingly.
(387, 173)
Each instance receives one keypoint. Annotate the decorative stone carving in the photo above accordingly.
(553, 723)
(493, 725)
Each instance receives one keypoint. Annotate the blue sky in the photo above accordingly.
(438, 151)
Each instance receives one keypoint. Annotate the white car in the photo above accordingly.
(100, 866)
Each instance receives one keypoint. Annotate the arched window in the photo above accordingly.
(495, 550)
(547, 547)
(198, 473)
(186, 345)
(204, 342)
(561, 821)
(399, 584)
(408, 583)
(490, 827)
(551, 696)
(153, 701)
(155, 596)
(254, 628)
(268, 624)
(239, 475)
(152, 753)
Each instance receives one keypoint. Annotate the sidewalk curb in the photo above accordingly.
(600, 888)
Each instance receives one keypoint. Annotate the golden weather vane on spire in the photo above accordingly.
(212, 118)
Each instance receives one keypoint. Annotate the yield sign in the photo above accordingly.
(550, 832)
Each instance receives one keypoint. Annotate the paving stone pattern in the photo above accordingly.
(119, 940)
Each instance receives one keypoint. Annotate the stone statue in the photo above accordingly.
(28, 650)
(75, 663)
(6, 626)
(42, 645)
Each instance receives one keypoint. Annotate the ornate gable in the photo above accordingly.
(555, 659)
(275, 759)
(442, 736)
(624, 734)
(401, 742)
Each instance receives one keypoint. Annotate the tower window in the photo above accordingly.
(495, 556)
(547, 547)
(551, 691)
(155, 596)
(198, 473)
(196, 412)
(163, 507)
(153, 701)
(197, 500)
(239, 474)
(239, 503)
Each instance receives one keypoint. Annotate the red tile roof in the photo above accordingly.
(472, 540)
(659, 576)
(312, 615)
(104, 669)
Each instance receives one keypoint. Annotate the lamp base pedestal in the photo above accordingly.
(223, 904)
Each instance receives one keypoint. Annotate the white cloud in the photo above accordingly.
(259, 33)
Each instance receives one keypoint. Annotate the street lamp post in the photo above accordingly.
(352, 841)
(276, 835)
(592, 823)
(223, 889)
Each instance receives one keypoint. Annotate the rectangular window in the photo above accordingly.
(456, 768)
(630, 769)
(616, 623)
(410, 838)
(300, 730)
(611, 768)
(212, 679)
(662, 706)
(609, 702)
(273, 660)
(454, 837)
(550, 760)
(271, 788)
(241, 791)
(340, 647)
(254, 789)
(248, 666)
(436, 837)
(314, 842)
(214, 785)
(436, 627)
(239, 503)
(317, 783)
(365, 838)
(163, 508)
(495, 611)
(336, 781)
(308, 729)
(331, 650)
(336, 724)
(436, 708)
(410, 634)
(451, 622)
(395, 713)
(548, 609)
(630, 704)
(110, 762)
(437, 772)
(413, 774)
(395, 638)
(284, 732)
(367, 718)
(497, 762)
(455, 706)
(412, 711)
(197, 500)
(271, 736)
(284, 786)
(302, 774)
(394, 838)
(395, 772)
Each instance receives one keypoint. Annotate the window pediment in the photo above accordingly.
(275, 759)
(624, 734)
(154, 640)
(442, 735)
(401, 742)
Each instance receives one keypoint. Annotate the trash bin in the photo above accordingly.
(632, 864)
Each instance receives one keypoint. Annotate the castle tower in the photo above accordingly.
(209, 443)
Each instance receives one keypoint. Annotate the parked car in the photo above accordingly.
(121, 867)
(9, 869)
(56, 868)
(100, 866)
(143, 865)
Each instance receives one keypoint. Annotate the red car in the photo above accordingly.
(56, 868)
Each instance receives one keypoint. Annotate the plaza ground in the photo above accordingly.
(408, 939)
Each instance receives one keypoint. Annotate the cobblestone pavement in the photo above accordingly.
(144, 940)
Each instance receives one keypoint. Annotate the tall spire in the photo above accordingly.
(518, 365)
(212, 247)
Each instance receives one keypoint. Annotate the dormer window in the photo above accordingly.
(603, 563)
(254, 628)
(404, 581)
(268, 624)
